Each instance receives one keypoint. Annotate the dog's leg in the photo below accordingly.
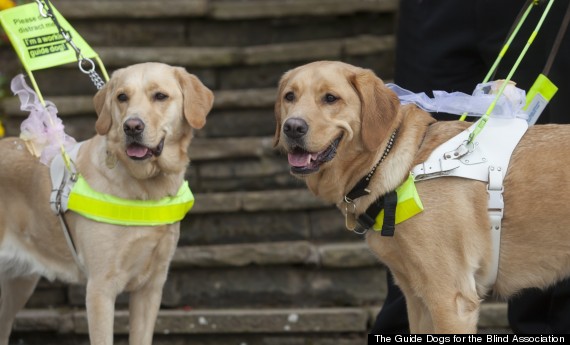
(15, 292)
(100, 303)
(143, 310)
(418, 316)
(439, 306)
(452, 309)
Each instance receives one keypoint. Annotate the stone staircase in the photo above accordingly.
(260, 260)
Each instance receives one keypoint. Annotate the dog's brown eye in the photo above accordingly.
(330, 98)
(290, 96)
(122, 97)
(159, 96)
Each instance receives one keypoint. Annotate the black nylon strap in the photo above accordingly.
(388, 202)
(359, 190)
(368, 218)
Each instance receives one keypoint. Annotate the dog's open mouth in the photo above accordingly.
(303, 162)
(138, 151)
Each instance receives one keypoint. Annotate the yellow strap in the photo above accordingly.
(409, 204)
(111, 209)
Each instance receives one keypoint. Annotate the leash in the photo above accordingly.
(38, 47)
(543, 89)
(86, 65)
(483, 121)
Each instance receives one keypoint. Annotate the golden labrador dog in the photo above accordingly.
(146, 115)
(335, 121)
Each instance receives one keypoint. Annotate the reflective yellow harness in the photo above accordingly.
(72, 192)
(111, 209)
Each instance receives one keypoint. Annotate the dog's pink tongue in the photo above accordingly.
(137, 151)
(300, 159)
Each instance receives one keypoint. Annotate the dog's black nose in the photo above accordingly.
(295, 128)
(133, 126)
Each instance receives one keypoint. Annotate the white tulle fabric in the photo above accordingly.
(509, 105)
(42, 129)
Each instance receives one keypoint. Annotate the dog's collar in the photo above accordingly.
(388, 210)
(361, 188)
(387, 202)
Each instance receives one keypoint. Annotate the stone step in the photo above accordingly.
(323, 255)
(83, 104)
(270, 273)
(317, 224)
(225, 10)
(209, 57)
(225, 67)
(344, 326)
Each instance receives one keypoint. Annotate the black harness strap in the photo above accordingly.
(387, 203)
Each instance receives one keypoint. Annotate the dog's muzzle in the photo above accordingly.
(136, 150)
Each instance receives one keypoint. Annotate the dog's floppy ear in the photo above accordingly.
(379, 107)
(198, 99)
(277, 109)
(103, 109)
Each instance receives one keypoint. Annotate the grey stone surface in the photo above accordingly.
(248, 98)
(331, 255)
(253, 201)
(251, 55)
(221, 148)
(346, 255)
(228, 9)
(262, 287)
(247, 122)
(250, 227)
(239, 255)
(132, 9)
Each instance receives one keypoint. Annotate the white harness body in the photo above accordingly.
(486, 159)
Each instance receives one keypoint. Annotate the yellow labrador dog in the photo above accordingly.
(335, 122)
(146, 115)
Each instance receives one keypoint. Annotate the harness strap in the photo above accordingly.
(60, 176)
(495, 209)
(388, 203)
(487, 160)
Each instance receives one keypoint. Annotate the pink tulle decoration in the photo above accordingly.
(42, 129)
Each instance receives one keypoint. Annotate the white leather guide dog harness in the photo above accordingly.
(486, 159)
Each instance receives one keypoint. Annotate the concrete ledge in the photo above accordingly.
(229, 9)
(333, 49)
(73, 9)
(236, 321)
(337, 255)
(317, 320)
(280, 200)
(212, 149)
(225, 9)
